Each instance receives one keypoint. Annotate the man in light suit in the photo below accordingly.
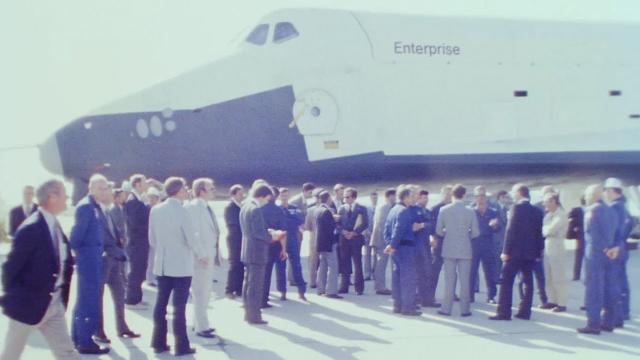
(19, 213)
(310, 226)
(36, 278)
(87, 242)
(300, 202)
(176, 244)
(352, 224)
(378, 243)
(256, 240)
(113, 260)
(206, 226)
(369, 253)
(457, 226)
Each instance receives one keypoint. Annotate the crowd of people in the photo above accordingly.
(167, 234)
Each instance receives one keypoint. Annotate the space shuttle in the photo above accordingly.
(310, 93)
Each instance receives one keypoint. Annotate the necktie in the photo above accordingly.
(56, 242)
(110, 224)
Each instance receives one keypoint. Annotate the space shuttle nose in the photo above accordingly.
(50, 155)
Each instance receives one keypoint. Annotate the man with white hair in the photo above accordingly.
(600, 252)
(36, 278)
(87, 241)
(206, 225)
(617, 201)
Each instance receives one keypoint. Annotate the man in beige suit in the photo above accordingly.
(206, 226)
(457, 224)
(554, 230)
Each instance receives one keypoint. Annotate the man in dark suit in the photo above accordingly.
(113, 260)
(137, 222)
(87, 242)
(19, 213)
(234, 242)
(256, 239)
(275, 219)
(353, 222)
(523, 246)
(36, 278)
(576, 232)
(326, 246)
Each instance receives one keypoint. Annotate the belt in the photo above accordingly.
(407, 243)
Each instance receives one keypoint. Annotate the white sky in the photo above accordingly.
(61, 59)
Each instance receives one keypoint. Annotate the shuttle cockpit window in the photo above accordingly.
(284, 31)
(259, 35)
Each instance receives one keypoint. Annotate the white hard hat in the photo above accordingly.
(613, 183)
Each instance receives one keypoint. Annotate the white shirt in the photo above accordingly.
(56, 235)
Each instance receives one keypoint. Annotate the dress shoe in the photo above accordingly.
(411, 313)
(396, 311)
(522, 316)
(321, 293)
(589, 331)
(491, 301)
(187, 351)
(160, 350)
(583, 308)
(343, 291)
(211, 330)
(466, 314)
(291, 283)
(619, 325)
(93, 350)
(257, 322)
(231, 296)
(559, 309)
(359, 293)
(606, 328)
(431, 304)
(548, 306)
(129, 334)
(313, 286)
(302, 297)
(206, 335)
(101, 339)
(266, 306)
(383, 292)
(456, 298)
(152, 284)
(500, 318)
(368, 278)
(334, 296)
(440, 312)
(283, 297)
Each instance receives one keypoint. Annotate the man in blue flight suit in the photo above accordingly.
(423, 248)
(600, 223)
(483, 247)
(400, 240)
(87, 241)
(617, 201)
(274, 217)
(294, 218)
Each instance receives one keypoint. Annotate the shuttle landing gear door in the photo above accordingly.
(315, 112)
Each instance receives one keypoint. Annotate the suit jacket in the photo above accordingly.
(31, 270)
(113, 247)
(137, 215)
(300, 202)
(457, 225)
(325, 228)
(255, 237)
(88, 230)
(524, 240)
(554, 229)
(117, 215)
(380, 218)
(206, 227)
(174, 239)
(600, 223)
(17, 217)
(348, 222)
(234, 232)
(576, 224)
